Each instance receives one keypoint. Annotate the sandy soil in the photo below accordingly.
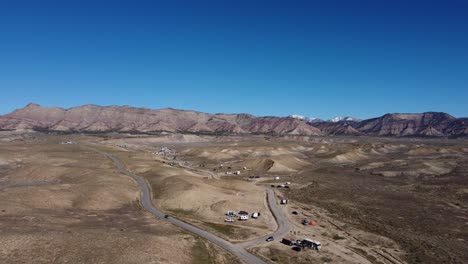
(375, 200)
(64, 204)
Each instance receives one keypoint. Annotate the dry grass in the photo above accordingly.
(64, 203)
(373, 199)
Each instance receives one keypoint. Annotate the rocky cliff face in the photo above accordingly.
(338, 128)
(92, 118)
(425, 124)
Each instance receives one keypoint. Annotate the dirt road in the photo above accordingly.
(236, 249)
(281, 219)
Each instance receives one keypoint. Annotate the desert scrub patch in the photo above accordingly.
(182, 212)
(201, 254)
(338, 237)
(228, 230)
(137, 204)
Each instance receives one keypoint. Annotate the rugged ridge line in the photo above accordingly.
(127, 119)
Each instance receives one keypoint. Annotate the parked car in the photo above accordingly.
(269, 239)
(166, 216)
(297, 249)
(287, 242)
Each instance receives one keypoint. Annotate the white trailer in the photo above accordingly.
(311, 244)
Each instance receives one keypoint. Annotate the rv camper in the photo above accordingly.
(311, 244)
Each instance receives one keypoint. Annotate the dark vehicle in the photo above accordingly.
(287, 242)
(166, 216)
(297, 249)
(269, 239)
(294, 212)
(272, 186)
(243, 213)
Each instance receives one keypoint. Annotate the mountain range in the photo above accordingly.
(126, 119)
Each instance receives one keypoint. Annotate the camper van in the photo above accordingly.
(311, 244)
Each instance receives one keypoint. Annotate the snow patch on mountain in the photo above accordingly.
(344, 119)
(307, 119)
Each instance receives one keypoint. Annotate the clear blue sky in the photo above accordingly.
(315, 58)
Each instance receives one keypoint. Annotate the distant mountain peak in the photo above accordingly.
(31, 105)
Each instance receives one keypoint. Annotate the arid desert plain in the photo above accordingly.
(365, 199)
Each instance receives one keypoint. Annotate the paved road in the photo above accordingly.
(281, 219)
(235, 249)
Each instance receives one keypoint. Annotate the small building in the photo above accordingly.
(244, 218)
(236, 172)
(255, 215)
(283, 201)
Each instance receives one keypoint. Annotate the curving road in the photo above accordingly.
(236, 249)
(281, 220)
